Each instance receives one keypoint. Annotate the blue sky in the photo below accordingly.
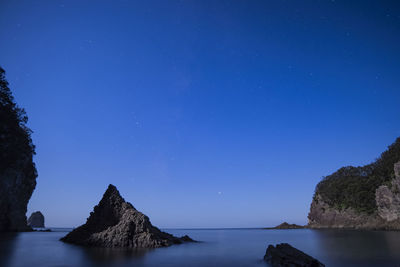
(202, 113)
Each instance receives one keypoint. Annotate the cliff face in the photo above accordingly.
(116, 223)
(17, 170)
(388, 198)
(363, 198)
(385, 216)
(322, 215)
(16, 188)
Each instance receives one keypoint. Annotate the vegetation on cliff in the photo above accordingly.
(17, 170)
(15, 136)
(354, 187)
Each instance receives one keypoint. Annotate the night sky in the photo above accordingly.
(202, 113)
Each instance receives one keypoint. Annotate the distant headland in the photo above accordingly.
(285, 225)
(365, 197)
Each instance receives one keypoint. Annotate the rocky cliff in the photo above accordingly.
(116, 223)
(17, 170)
(360, 197)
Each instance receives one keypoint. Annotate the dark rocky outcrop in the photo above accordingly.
(36, 220)
(187, 238)
(17, 170)
(284, 255)
(365, 197)
(116, 223)
(285, 225)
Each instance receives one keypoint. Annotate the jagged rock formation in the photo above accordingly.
(363, 198)
(286, 225)
(17, 170)
(388, 198)
(36, 220)
(285, 255)
(322, 215)
(116, 223)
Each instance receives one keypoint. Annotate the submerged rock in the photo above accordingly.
(36, 220)
(286, 255)
(116, 223)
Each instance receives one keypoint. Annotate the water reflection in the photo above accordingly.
(7, 245)
(221, 247)
(352, 247)
(104, 255)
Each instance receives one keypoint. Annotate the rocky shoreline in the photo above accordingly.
(385, 214)
(386, 217)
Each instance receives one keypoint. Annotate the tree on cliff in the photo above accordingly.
(15, 136)
(355, 187)
(17, 170)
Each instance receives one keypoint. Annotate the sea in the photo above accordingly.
(217, 247)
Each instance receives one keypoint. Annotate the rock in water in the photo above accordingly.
(17, 170)
(285, 225)
(286, 255)
(116, 223)
(36, 220)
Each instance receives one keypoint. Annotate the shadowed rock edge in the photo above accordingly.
(17, 170)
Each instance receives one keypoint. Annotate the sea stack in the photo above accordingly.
(366, 197)
(36, 220)
(17, 169)
(116, 223)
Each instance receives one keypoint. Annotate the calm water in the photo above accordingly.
(220, 247)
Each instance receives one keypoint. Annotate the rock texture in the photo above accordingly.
(386, 217)
(17, 170)
(322, 215)
(286, 255)
(388, 198)
(377, 184)
(286, 225)
(116, 223)
(36, 220)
